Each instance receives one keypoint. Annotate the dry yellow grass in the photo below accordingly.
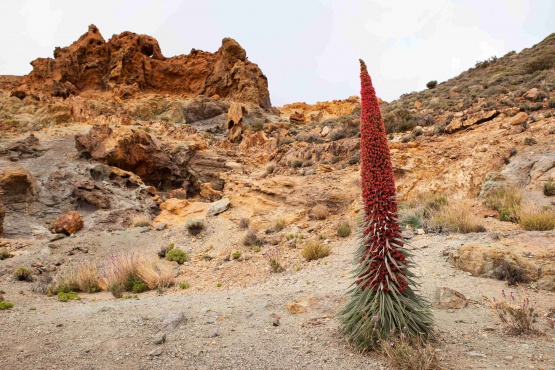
(320, 212)
(458, 217)
(507, 202)
(532, 218)
(140, 221)
(313, 250)
(82, 278)
(155, 274)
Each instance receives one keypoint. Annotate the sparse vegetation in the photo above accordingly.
(509, 272)
(251, 239)
(70, 296)
(177, 255)
(404, 354)
(278, 224)
(320, 212)
(314, 250)
(273, 258)
(343, 229)
(4, 254)
(5, 305)
(519, 315)
(506, 201)
(534, 219)
(549, 188)
(194, 227)
(296, 163)
(83, 278)
(244, 223)
(456, 217)
(431, 84)
(23, 274)
(141, 221)
(184, 285)
(530, 141)
(236, 255)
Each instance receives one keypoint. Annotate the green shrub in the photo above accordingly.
(194, 227)
(5, 305)
(177, 255)
(23, 274)
(551, 103)
(116, 290)
(313, 250)
(549, 188)
(431, 84)
(184, 285)
(539, 64)
(506, 202)
(530, 141)
(296, 163)
(236, 255)
(139, 287)
(343, 229)
(4, 254)
(71, 296)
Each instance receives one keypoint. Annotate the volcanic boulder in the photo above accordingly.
(129, 63)
(2, 213)
(67, 224)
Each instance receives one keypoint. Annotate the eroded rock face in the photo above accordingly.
(67, 224)
(18, 185)
(130, 150)
(129, 63)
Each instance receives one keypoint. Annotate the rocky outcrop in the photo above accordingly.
(25, 148)
(18, 185)
(67, 224)
(131, 150)
(235, 122)
(129, 63)
(302, 112)
(463, 121)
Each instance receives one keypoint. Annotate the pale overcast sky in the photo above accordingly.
(308, 49)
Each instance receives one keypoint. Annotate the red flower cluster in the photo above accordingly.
(382, 232)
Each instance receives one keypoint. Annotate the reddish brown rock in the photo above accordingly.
(235, 122)
(459, 123)
(296, 117)
(18, 184)
(519, 118)
(67, 224)
(128, 63)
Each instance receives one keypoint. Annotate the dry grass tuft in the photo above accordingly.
(320, 212)
(155, 274)
(313, 250)
(531, 218)
(141, 221)
(507, 202)
(279, 224)
(404, 354)
(456, 217)
(83, 278)
(343, 229)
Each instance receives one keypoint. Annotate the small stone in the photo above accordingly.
(475, 354)
(218, 207)
(159, 338)
(214, 334)
(447, 298)
(55, 237)
(171, 320)
(161, 227)
(295, 308)
(420, 232)
(155, 352)
(275, 319)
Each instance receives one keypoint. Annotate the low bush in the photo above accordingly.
(194, 227)
(23, 274)
(141, 221)
(184, 285)
(431, 84)
(530, 141)
(343, 229)
(251, 239)
(519, 315)
(506, 201)
(320, 212)
(177, 255)
(549, 188)
(456, 217)
(278, 225)
(4, 254)
(244, 223)
(236, 255)
(404, 354)
(5, 305)
(273, 258)
(70, 296)
(314, 250)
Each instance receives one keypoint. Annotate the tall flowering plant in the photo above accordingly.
(382, 299)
